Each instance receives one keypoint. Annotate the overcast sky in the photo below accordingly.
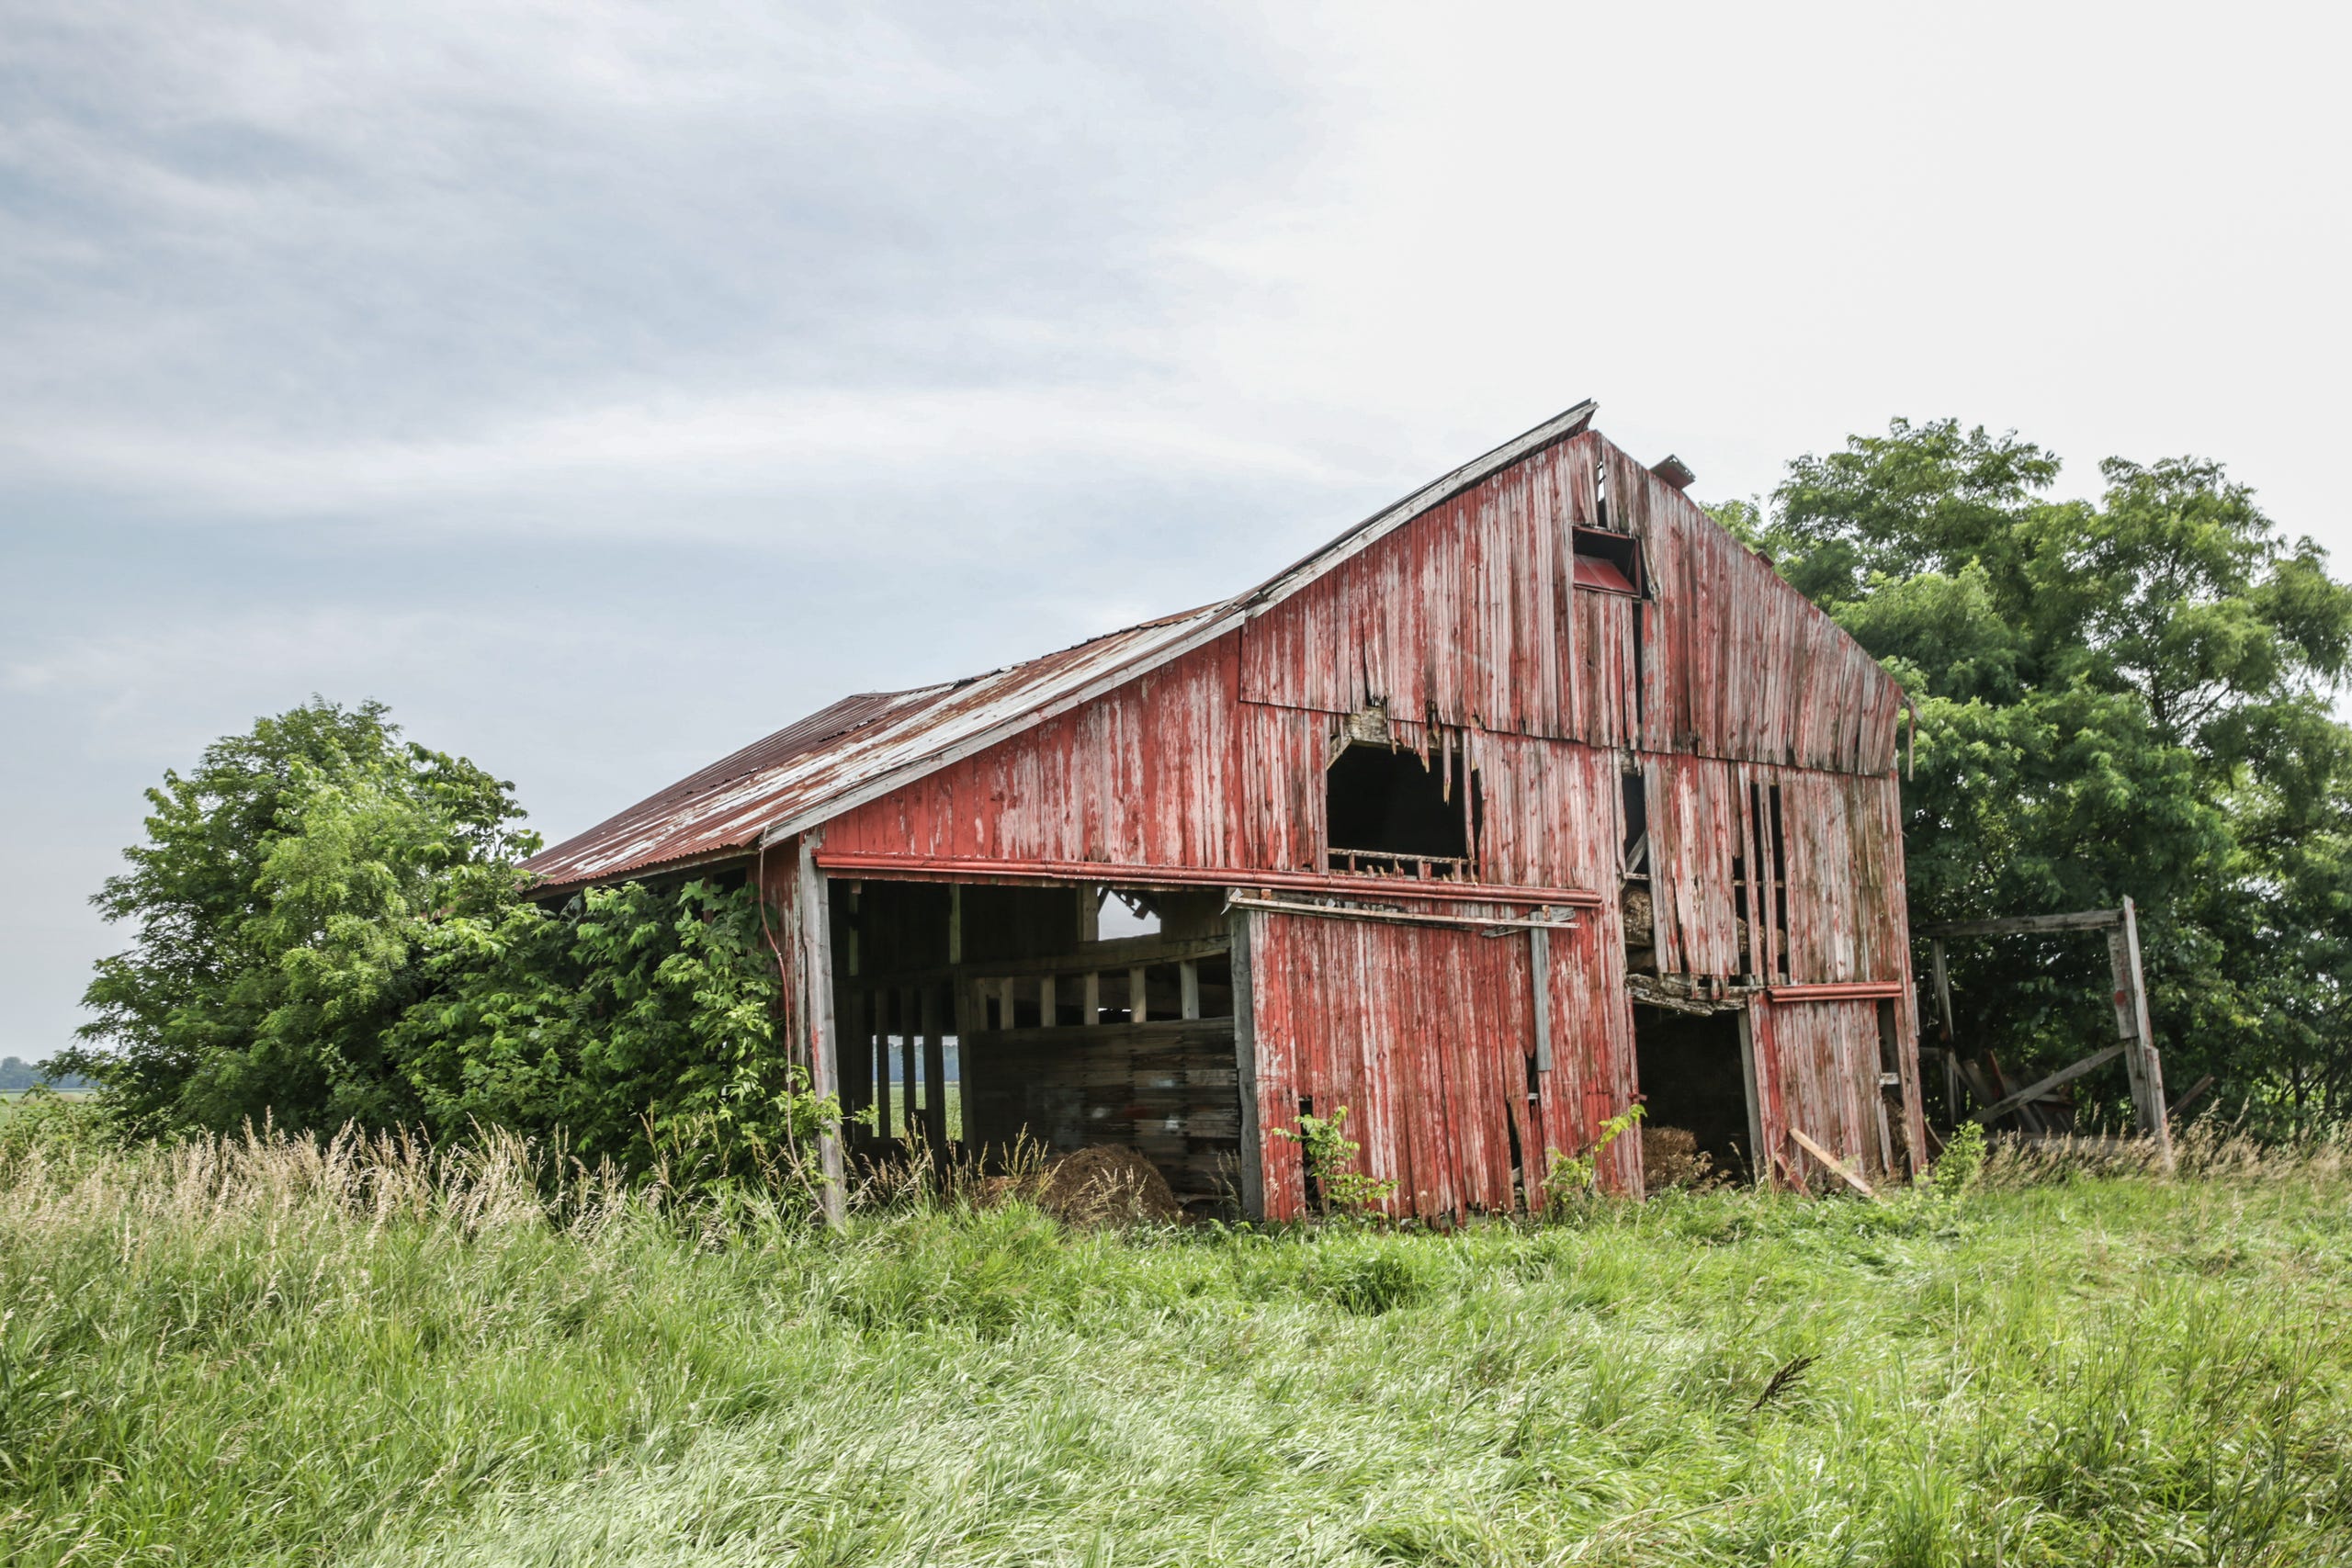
(605, 385)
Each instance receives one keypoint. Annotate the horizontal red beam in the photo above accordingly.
(1846, 991)
(935, 869)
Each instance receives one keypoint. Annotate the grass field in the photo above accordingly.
(276, 1354)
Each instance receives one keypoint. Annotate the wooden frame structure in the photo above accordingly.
(2136, 1039)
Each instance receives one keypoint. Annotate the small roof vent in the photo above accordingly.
(1674, 471)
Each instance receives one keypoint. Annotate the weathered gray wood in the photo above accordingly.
(2127, 1024)
(1748, 1087)
(816, 1012)
(1091, 998)
(1188, 989)
(1048, 1002)
(1138, 1010)
(1539, 964)
(2087, 920)
(956, 922)
(2196, 1091)
(1835, 1164)
(2151, 1071)
(1943, 988)
(1245, 1055)
(2034, 1091)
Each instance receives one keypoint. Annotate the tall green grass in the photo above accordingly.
(274, 1351)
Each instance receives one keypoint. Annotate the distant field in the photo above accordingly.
(273, 1356)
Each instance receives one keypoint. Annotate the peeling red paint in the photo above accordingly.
(1193, 750)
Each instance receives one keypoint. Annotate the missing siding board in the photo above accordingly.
(1387, 803)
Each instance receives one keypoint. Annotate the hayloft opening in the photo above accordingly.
(1694, 1089)
(1607, 562)
(1387, 802)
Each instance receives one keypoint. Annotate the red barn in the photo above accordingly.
(1533, 795)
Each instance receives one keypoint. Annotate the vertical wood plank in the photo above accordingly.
(880, 1066)
(935, 1071)
(1138, 1010)
(1048, 1003)
(817, 1024)
(910, 1063)
(2152, 1073)
(1539, 966)
(1188, 989)
(1091, 998)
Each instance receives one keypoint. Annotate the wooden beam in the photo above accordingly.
(1834, 1163)
(1137, 1010)
(2087, 920)
(2196, 1091)
(2034, 1091)
(1188, 989)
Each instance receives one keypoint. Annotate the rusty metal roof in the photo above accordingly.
(864, 746)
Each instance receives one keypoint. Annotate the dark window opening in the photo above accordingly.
(1390, 802)
(1609, 563)
(1637, 822)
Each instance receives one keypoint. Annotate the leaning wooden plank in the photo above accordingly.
(1832, 1162)
(2033, 1091)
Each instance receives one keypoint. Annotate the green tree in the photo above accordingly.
(2131, 696)
(276, 904)
(630, 1023)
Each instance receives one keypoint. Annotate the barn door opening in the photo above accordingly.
(1694, 1076)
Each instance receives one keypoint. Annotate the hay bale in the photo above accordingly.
(1105, 1186)
(1671, 1158)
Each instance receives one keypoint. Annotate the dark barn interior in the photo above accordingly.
(1692, 1077)
(983, 1016)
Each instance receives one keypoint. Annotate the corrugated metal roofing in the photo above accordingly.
(864, 746)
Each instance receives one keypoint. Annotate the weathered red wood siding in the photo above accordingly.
(1428, 1037)
(1723, 684)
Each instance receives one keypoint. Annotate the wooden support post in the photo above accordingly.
(910, 1059)
(1091, 998)
(1756, 1150)
(1245, 1052)
(1048, 1004)
(934, 1073)
(1539, 967)
(1138, 1011)
(2156, 1124)
(818, 1043)
(955, 922)
(1943, 991)
(856, 1064)
(1005, 1003)
(883, 1120)
(1188, 989)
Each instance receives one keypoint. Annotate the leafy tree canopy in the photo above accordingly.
(2131, 696)
(330, 925)
(275, 908)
